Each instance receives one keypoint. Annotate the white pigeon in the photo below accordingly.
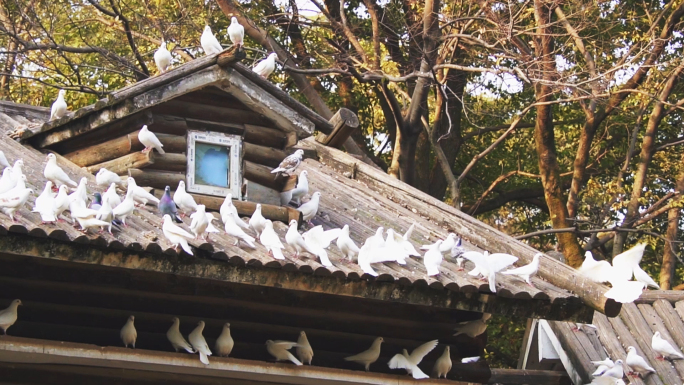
(126, 207)
(663, 348)
(597, 271)
(235, 231)
(490, 264)
(624, 291)
(289, 164)
(389, 250)
(199, 222)
(446, 246)
(111, 196)
(626, 265)
(526, 272)
(468, 360)
(433, 258)
(236, 32)
(105, 177)
(637, 363)
(279, 350)
(266, 67)
(301, 189)
(377, 240)
(257, 222)
(602, 366)
(106, 213)
(17, 170)
(318, 240)
(285, 197)
(369, 356)
(140, 195)
(364, 260)
(81, 191)
(294, 239)
(149, 140)
(346, 244)
(197, 339)
(228, 210)
(45, 204)
(55, 174)
(269, 238)
(162, 58)
(410, 362)
(176, 338)
(3, 160)
(13, 200)
(473, 328)
(405, 242)
(61, 201)
(210, 227)
(59, 107)
(183, 200)
(606, 381)
(209, 43)
(617, 371)
(8, 315)
(6, 181)
(310, 208)
(176, 235)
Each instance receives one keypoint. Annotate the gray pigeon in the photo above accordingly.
(167, 205)
(97, 201)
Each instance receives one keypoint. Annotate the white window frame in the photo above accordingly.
(234, 142)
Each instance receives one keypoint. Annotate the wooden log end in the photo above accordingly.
(612, 308)
(231, 55)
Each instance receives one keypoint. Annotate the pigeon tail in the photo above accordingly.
(203, 358)
(185, 246)
(278, 254)
(293, 359)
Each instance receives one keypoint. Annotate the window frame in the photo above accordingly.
(234, 142)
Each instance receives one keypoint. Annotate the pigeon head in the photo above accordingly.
(144, 128)
(181, 185)
(233, 20)
(166, 218)
(227, 325)
(656, 334)
(16, 302)
(302, 333)
(448, 349)
(50, 157)
(131, 318)
(131, 182)
(619, 362)
(273, 56)
(200, 208)
(293, 222)
(163, 44)
(345, 229)
(207, 29)
(269, 342)
(98, 198)
(201, 323)
(317, 194)
(299, 153)
(62, 93)
(438, 243)
(268, 224)
(630, 348)
(303, 173)
(175, 319)
(167, 189)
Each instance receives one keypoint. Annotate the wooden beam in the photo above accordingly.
(232, 55)
(61, 355)
(321, 123)
(203, 112)
(529, 377)
(156, 179)
(123, 164)
(268, 156)
(124, 145)
(110, 111)
(263, 102)
(266, 136)
(262, 175)
(650, 296)
(344, 123)
(472, 230)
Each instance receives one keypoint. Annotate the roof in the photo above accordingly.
(656, 311)
(362, 198)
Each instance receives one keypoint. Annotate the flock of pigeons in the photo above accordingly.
(611, 373)
(223, 347)
(210, 45)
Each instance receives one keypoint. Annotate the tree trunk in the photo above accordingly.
(667, 268)
(545, 140)
(647, 151)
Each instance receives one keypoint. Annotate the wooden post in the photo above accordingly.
(262, 175)
(231, 55)
(344, 122)
(155, 179)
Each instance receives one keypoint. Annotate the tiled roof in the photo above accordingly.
(344, 201)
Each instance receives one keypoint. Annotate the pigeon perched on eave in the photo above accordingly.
(279, 350)
(209, 43)
(8, 316)
(199, 343)
(176, 338)
(128, 333)
(162, 58)
(224, 343)
(289, 164)
(410, 362)
(266, 67)
(236, 32)
(367, 357)
(54, 173)
(167, 206)
(59, 107)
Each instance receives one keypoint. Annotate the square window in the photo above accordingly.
(214, 163)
